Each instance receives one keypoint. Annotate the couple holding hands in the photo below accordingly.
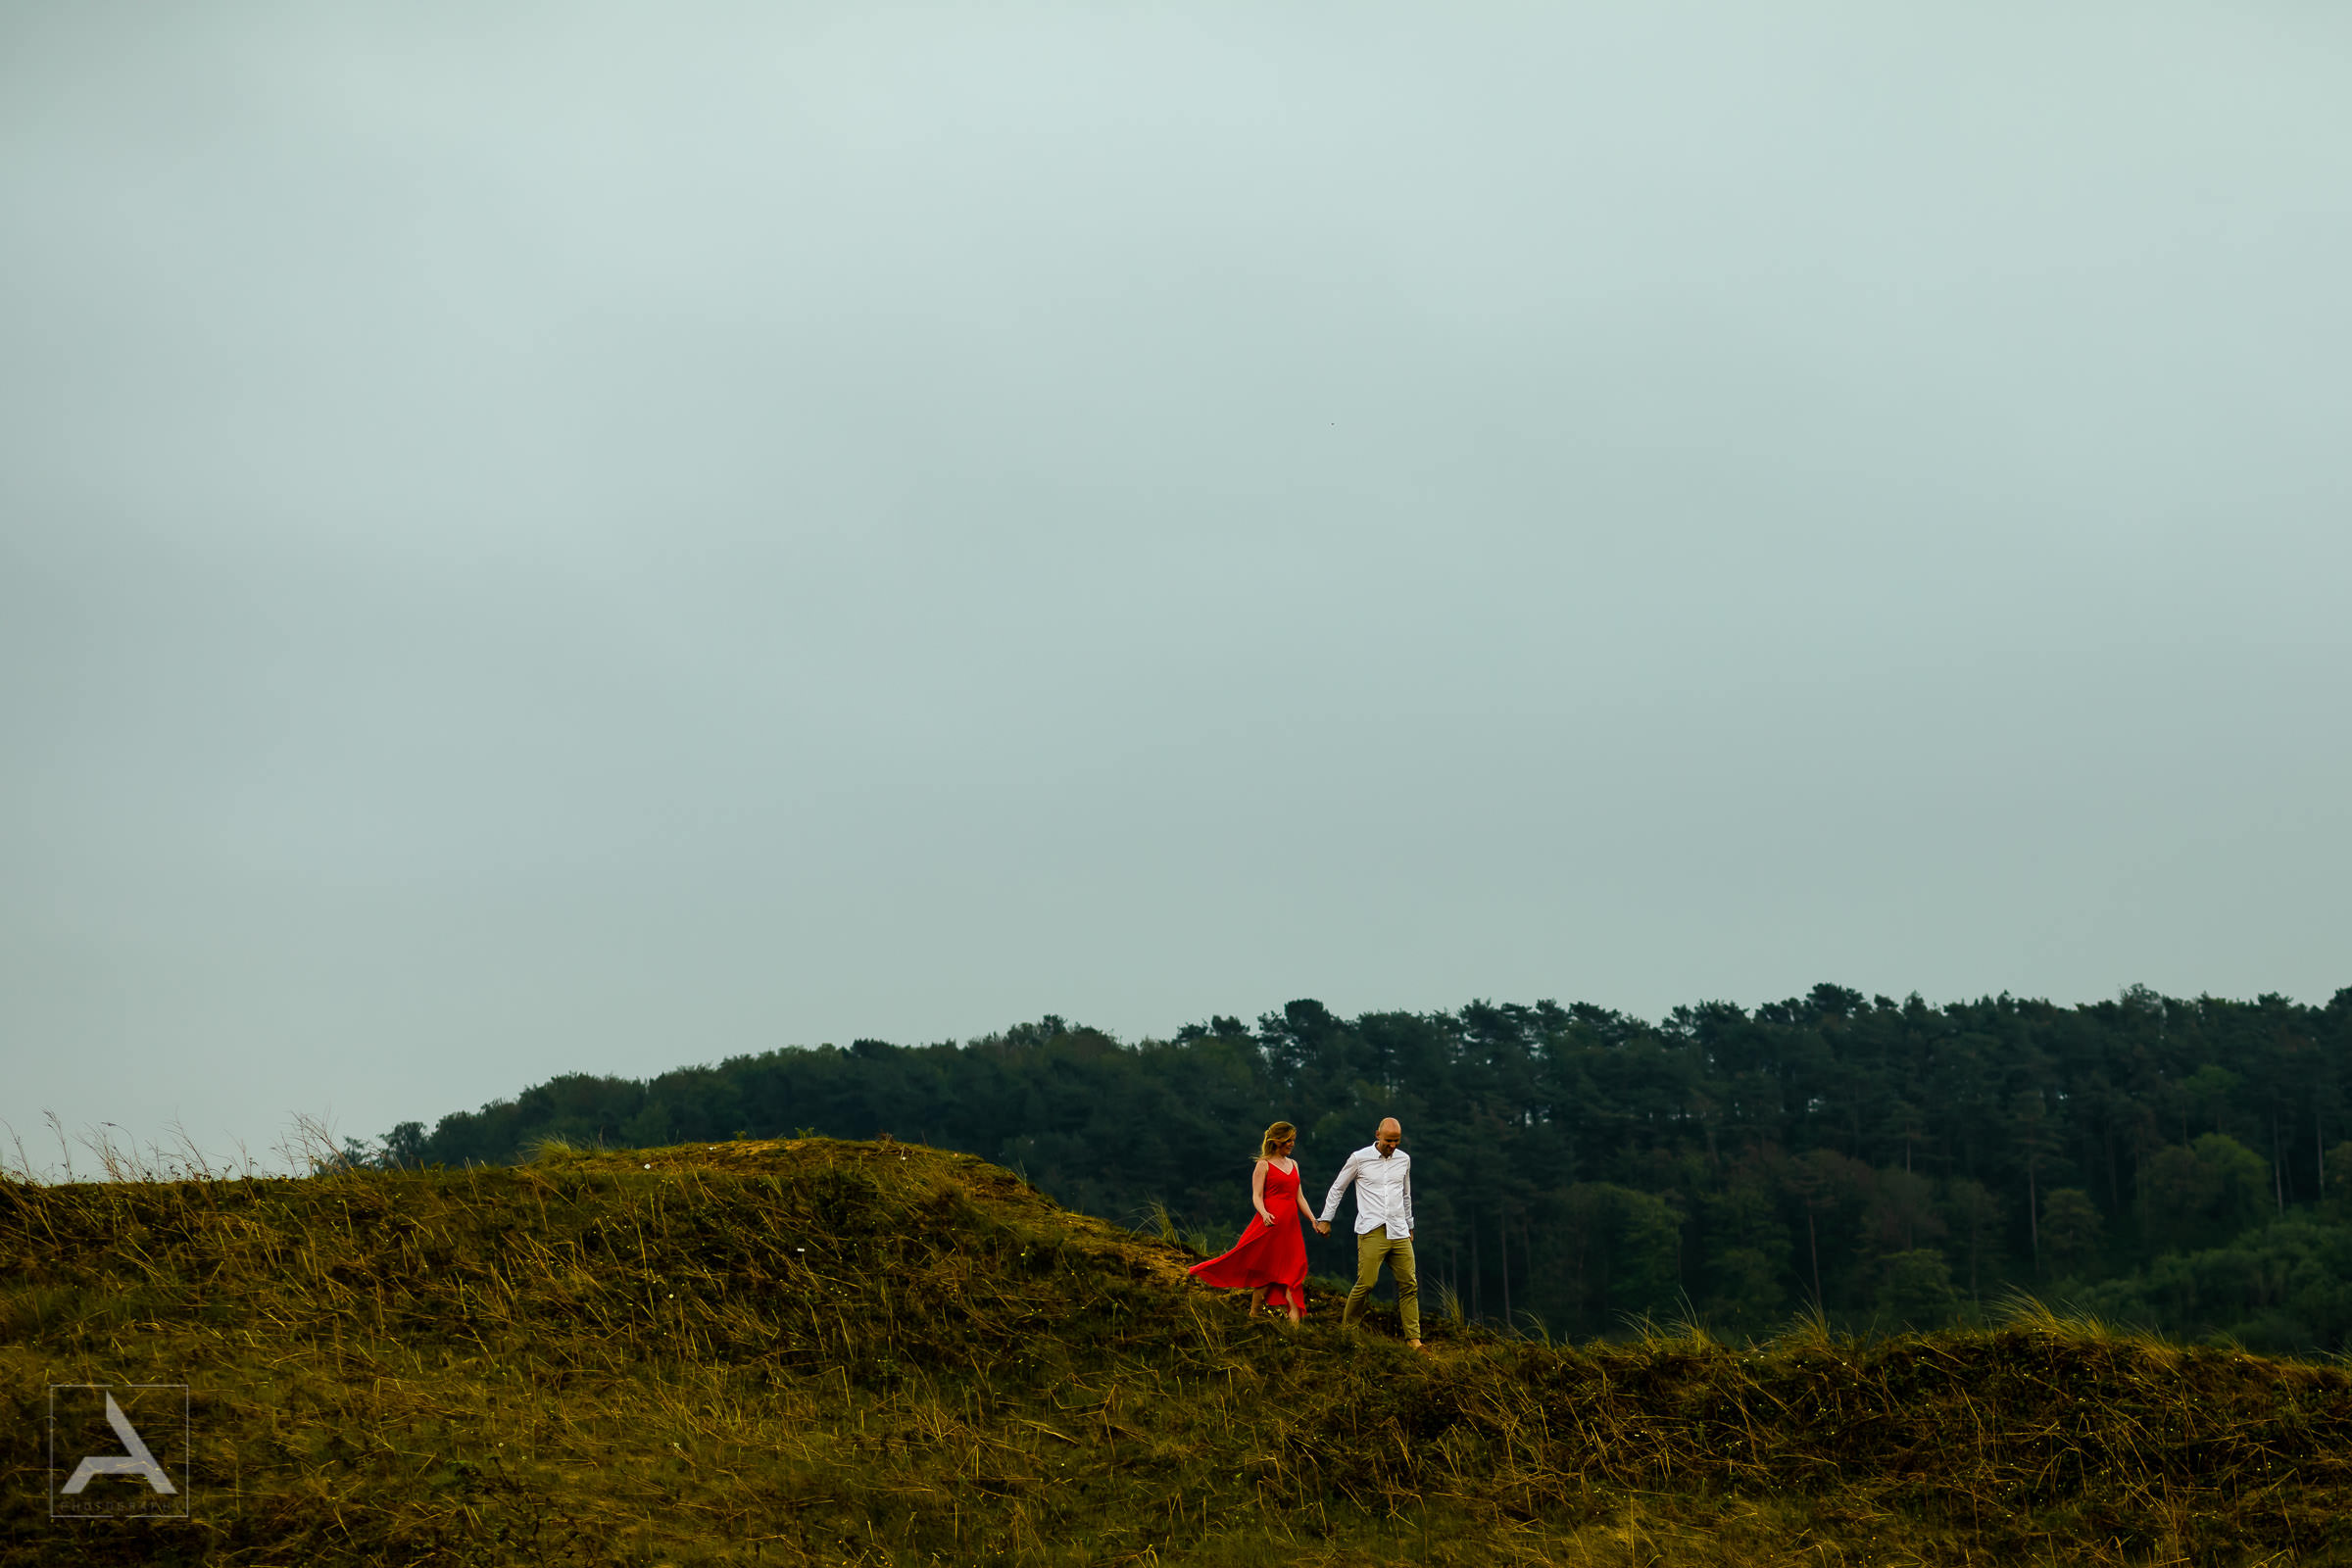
(1271, 1254)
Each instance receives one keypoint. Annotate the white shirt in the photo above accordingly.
(1384, 1191)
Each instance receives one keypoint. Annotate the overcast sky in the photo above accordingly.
(573, 537)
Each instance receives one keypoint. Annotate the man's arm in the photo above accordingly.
(1331, 1204)
(1409, 1199)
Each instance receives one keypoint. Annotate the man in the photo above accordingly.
(1383, 1175)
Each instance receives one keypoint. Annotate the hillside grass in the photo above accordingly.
(812, 1350)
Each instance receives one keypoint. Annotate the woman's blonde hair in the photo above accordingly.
(1282, 1132)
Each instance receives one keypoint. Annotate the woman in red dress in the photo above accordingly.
(1273, 1250)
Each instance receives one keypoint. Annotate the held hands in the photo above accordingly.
(1322, 1227)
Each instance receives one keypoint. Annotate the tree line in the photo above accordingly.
(2176, 1163)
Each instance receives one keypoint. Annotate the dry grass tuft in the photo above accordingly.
(808, 1351)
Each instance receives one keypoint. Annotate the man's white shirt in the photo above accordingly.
(1384, 1191)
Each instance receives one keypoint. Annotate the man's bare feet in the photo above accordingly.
(1417, 1344)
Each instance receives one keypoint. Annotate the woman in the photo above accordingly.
(1273, 1250)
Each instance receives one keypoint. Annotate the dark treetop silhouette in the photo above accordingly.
(2166, 1161)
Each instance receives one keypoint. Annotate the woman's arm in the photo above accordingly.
(1305, 1207)
(1257, 1192)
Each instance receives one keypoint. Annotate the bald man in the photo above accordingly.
(1383, 1174)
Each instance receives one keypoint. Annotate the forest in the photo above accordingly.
(2177, 1165)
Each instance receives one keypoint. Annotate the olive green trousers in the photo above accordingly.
(1373, 1249)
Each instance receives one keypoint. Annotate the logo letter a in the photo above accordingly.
(137, 1462)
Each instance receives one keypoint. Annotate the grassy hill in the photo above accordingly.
(813, 1351)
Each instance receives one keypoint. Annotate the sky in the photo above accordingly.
(594, 538)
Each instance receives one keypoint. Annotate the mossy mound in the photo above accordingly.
(785, 1352)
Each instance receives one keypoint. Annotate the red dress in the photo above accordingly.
(1268, 1255)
